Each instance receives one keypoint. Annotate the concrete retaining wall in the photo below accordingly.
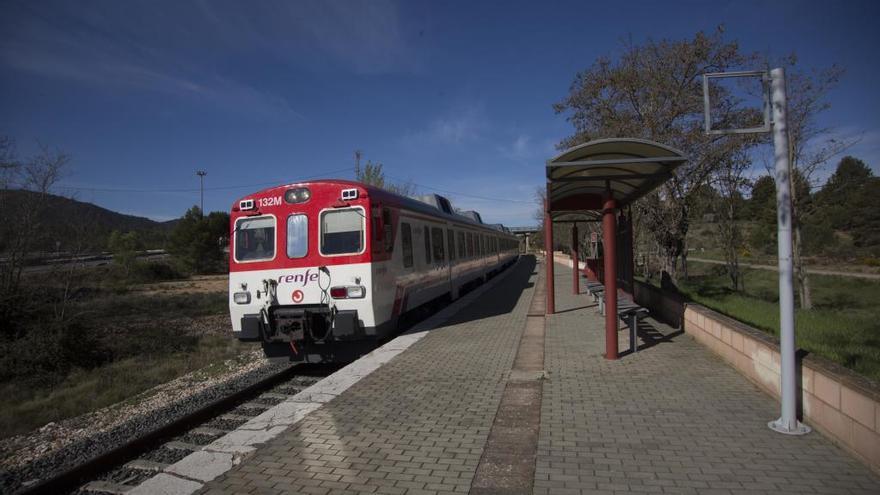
(839, 403)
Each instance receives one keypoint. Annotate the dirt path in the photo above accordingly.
(815, 271)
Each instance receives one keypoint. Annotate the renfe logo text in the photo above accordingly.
(304, 278)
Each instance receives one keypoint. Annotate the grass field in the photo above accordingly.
(844, 325)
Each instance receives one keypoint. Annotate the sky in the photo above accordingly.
(455, 97)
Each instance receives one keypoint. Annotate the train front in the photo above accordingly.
(299, 266)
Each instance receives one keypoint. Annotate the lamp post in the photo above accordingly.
(201, 174)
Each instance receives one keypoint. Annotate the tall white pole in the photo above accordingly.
(787, 422)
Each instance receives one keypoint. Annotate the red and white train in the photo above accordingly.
(321, 271)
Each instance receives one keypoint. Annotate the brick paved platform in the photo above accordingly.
(671, 419)
(416, 425)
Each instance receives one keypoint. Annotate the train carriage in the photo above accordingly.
(321, 271)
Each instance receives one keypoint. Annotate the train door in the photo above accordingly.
(450, 256)
(441, 258)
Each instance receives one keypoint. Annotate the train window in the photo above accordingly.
(462, 250)
(255, 238)
(437, 244)
(470, 244)
(389, 230)
(450, 239)
(297, 236)
(427, 246)
(406, 241)
(342, 231)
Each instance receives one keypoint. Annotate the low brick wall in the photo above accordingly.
(835, 401)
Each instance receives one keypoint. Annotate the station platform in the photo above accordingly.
(499, 399)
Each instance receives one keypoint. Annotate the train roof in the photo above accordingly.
(432, 204)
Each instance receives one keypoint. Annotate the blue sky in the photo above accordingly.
(450, 95)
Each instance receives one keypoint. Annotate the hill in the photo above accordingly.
(68, 221)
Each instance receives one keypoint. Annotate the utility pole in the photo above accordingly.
(201, 174)
(357, 164)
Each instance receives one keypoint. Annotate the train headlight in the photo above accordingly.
(242, 297)
(348, 292)
(297, 195)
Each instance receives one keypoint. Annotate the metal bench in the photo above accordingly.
(629, 312)
(595, 288)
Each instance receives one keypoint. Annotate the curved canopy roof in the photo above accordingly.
(630, 168)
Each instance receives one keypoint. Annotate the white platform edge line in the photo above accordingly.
(191, 473)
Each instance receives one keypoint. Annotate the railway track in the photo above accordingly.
(120, 469)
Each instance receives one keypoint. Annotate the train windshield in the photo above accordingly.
(342, 231)
(255, 239)
(297, 236)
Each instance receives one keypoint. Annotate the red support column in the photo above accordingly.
(632, 252)
(576, 276)
(609, 238)
(548, 258)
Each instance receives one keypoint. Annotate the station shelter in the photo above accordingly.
(597, 182)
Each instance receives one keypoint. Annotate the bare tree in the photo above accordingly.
(372, 174)
(811, 147)
(654, 91)
(730, 183)
(20, 223)
(9, 165)
(537, 241)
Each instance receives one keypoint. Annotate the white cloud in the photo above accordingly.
(465, 125)
(528, 151)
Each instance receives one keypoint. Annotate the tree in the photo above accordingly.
(124, 248)
(654, 91)
(20, 233)
(197, 241)
(19, 220)
(761, 208)
(844, 185)
(730, 182)
(811, 146)
(373, 175)
(847, 203)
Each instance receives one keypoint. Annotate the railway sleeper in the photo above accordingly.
(106, 487)
(235, 417)
(145, 465)
(253, 406)
(208, 432)
(178, 445)
(272, 395)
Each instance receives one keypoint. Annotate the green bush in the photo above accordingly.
(156, 271)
